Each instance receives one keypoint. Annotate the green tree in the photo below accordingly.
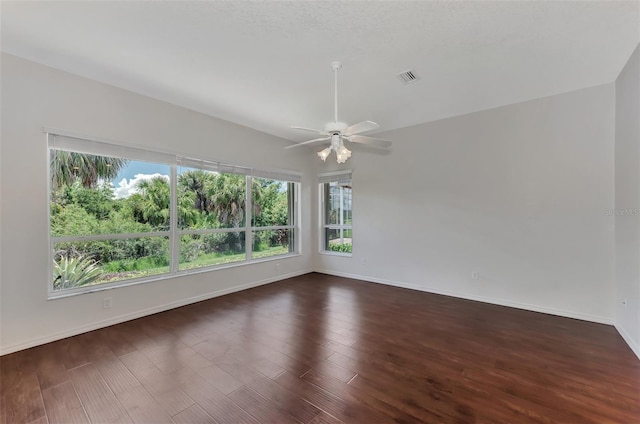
(68, 167)
(228, 195)
(73, 220)
(228, 198)
(97, 201)
(197, 181)
(187, 215)
(271, 206)
(151, 204)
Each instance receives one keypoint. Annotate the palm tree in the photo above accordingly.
(228, 195)
(68, 167)
(187, 215)
(153, 201)
(152, 204)
(196, 181)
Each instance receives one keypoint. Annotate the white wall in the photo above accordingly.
(34, 96)
(627, 202)
(517, 193)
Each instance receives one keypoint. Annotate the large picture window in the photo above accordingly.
(337, 217)
(120, 215)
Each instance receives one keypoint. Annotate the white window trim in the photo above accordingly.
(65, 140)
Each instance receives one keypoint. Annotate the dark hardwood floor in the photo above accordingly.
(321, 349)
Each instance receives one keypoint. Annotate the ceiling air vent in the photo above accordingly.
(408, 77)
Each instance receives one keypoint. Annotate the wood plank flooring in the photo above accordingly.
(321, 349)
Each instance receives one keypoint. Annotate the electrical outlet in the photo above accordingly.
(475, 275)
(624, 303)
(107, 303)
(363, 260)
(277, 267)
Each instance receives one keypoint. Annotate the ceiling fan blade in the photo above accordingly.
(370, 141)
(304, 143)
(309, 129)
(361, 127)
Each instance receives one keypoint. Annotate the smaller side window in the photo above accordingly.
(337, 216)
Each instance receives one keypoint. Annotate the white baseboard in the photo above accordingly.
(172, 305)
(627, 338)
(139, 314)
(501, 302)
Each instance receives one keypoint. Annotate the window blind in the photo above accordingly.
(87, 145)
(277, 175)
(212, 166)
(335, 177)
(93, 147)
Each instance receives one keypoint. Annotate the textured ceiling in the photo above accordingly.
(266, 64)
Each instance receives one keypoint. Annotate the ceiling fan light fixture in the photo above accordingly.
(342, 153)
(324, 154)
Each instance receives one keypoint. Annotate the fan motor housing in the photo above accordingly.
(335, 127)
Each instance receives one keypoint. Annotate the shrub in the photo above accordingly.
(74, 272)
(191, 248)
(343, 248)
(214, 242)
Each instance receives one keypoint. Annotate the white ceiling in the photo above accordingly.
(266, 64)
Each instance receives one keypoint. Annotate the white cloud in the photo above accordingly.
(127, 188)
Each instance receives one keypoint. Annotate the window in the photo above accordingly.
(272, 220)
(211, 216)
(120, 215)
(337, 217)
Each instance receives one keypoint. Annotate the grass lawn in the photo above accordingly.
(210, 259)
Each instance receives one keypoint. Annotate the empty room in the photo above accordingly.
(197, 199)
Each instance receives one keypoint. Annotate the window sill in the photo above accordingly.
(144, 280)
(330, 253)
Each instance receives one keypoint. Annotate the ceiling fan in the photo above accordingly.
(338, 132)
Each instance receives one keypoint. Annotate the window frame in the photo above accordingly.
(324, 181)
(293, 209)
(211, 167)
(63, 140)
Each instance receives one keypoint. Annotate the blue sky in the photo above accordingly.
(128, 178)
(135, 167)
(135, 171)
